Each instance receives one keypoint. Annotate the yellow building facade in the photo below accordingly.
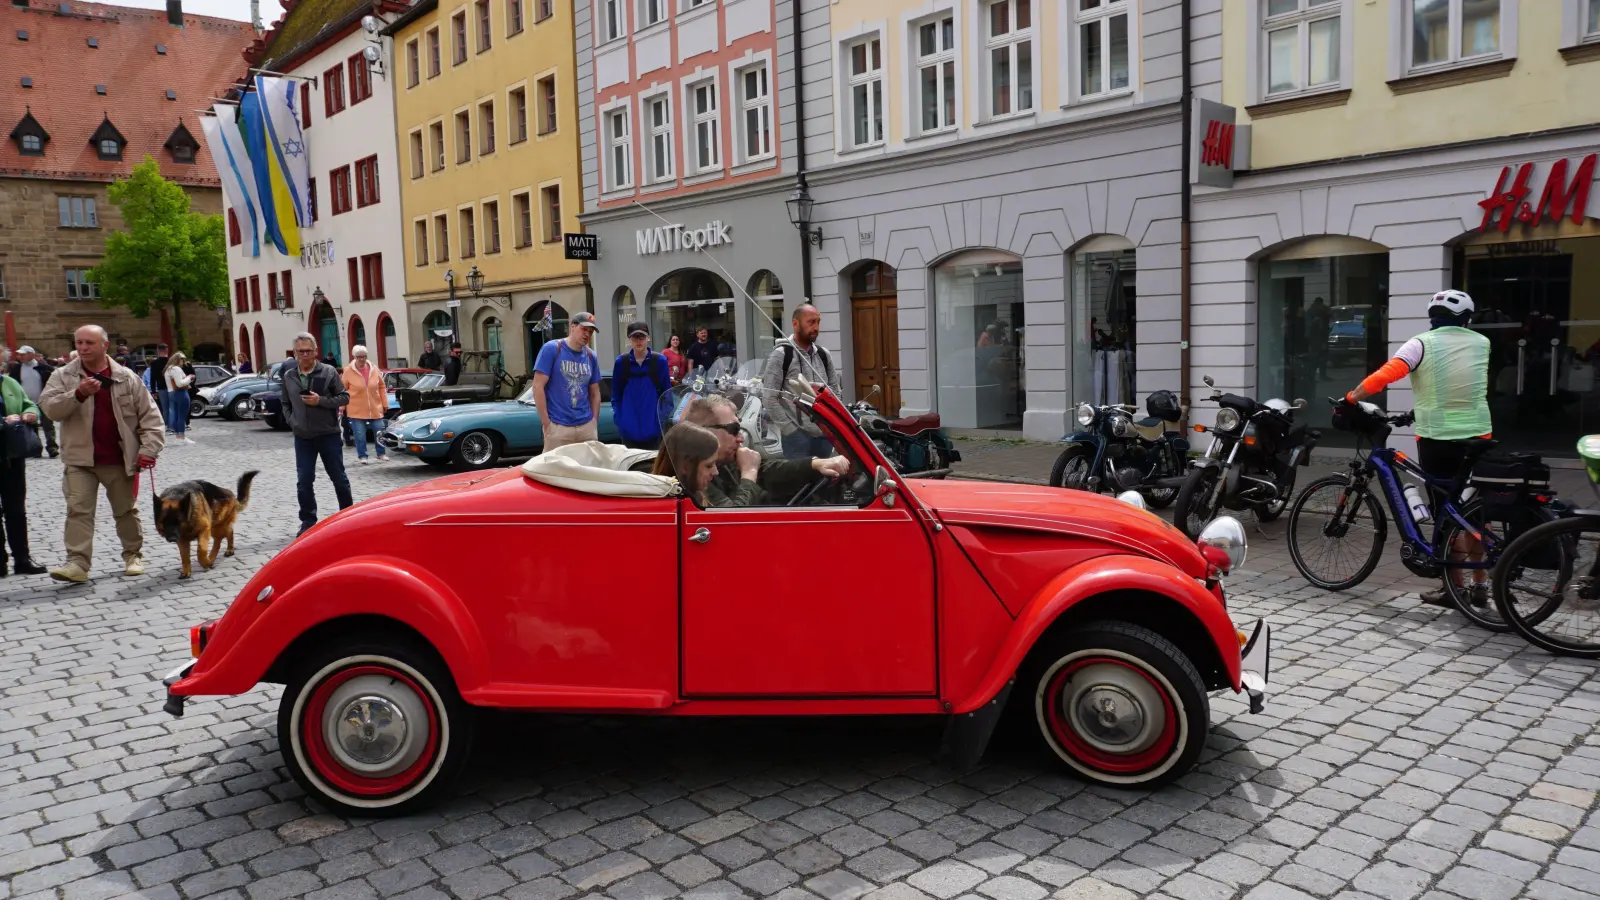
(1398, 148)
(490, 180)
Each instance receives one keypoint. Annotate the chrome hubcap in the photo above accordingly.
(375, 725)
(475, 448)
(1114, 709)
(371, 729)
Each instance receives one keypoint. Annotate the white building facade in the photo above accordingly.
(347, 286)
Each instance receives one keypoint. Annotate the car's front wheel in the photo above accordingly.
(276, 422)
(1119, 704)
(476, 450)
(197, 408)
(237, 409)
(373, 727)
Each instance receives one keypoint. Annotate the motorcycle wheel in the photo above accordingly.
(1161, 498)
(1271, 511)
(1072, 468)
(1198, 501)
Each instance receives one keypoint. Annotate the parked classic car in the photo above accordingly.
(266, 400)
(481, 435)
(387, 627)
(231, 399)
(418, 379)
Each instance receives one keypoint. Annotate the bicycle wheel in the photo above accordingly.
(1501, 522)
(1336, 535)
(1547, 586)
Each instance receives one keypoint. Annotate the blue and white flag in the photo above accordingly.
(281, 113)
(234, 168)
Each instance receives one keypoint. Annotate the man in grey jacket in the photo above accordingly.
(313, 391)
(800, 356)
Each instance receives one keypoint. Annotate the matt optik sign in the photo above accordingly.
(667, 238)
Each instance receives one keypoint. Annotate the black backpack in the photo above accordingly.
(788, 360)
(619, 390)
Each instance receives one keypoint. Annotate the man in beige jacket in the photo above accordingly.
(110, 429)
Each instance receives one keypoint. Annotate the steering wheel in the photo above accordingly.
(809, 491)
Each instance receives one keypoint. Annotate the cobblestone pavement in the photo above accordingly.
(1403, 755)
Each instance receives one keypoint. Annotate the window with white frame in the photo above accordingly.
(936, 74)
(1103, 46)
(703, 130)
(651, 12)
(755, 113)
(1302, 41)
(865, 61)
(660, 149)
(1442, 32)
(611, 23)
(1591, 20)
(619, 150)
(1008, 39)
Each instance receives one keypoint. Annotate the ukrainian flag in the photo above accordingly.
(277, 201)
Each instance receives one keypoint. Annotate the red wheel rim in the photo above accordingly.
(327, 765)
(1068, 738)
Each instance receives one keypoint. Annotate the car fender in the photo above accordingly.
(365, 586)
(1100, 575)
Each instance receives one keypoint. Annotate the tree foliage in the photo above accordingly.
(166, 254)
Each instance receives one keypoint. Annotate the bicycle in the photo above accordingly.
(1548, 582)
(1337, 508)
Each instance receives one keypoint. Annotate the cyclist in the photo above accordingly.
(1449, 369)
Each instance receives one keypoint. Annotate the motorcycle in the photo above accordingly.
(915, 445)
(1111, 452)
(1256, 451)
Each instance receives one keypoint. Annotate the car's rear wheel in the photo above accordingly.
(1119, 704)
(197, 408)
(476, 450)
(237, 408)
(373, 727)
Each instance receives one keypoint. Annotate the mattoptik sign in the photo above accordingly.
(1557, 195)
(667, 238)
(582, 246)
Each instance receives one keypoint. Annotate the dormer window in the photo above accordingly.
(22, 35)
(94, 43)
(100, 89)
(107, 141)
(161, 49)
(182, 145)
(172, 95)
(30, 135)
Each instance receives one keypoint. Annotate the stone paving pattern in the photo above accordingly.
(1403, 754)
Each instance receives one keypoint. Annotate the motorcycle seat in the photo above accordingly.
(915, 424)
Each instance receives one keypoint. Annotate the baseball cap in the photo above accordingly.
(638, 328)
(26, 349)
(584, 320)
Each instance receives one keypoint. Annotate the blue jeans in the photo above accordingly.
(799, 445)
(177, 410)
(359, 428)
(306, 452)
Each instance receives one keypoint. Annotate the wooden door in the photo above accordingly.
(877, 351)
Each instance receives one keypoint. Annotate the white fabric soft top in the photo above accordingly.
(595, 468)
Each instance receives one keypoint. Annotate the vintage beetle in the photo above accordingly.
(388, 627)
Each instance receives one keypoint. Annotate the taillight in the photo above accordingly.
(199, 636)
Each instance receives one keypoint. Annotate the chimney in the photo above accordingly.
(175, 12)
(255, 15)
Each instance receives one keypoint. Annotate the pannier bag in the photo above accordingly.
(1506, 480)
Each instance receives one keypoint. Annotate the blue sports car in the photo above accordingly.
(482, 435)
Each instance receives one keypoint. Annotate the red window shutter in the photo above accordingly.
(272, 285)
(355, 279)
(305, 104)
(241, 299)
(255, 293)
(288, 285)
(234, 237)
(328, 87)
(377, 276)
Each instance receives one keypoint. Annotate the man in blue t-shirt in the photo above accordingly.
(566, 385)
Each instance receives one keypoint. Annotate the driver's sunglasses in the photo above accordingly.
(731, 428)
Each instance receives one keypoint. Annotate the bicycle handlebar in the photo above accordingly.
(1402, 420)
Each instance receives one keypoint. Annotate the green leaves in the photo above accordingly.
(165, 253)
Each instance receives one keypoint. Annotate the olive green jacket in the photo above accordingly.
(776, 481)
(17, 402)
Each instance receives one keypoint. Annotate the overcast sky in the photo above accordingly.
(226, 9)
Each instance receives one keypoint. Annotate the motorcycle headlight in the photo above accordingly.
(428, 427)
(1085, 415)
(1223, 543)
(1227, 419)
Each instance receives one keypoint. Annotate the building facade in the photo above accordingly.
(92, 90)
(690, 152)
(346, 286)
(1319, 261)
(487, 124)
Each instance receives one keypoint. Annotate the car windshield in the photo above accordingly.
(429, 380)
(396, 380)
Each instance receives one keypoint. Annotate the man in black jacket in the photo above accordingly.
(313, 391)
(452, 366)
(428, 359)
(29, 368)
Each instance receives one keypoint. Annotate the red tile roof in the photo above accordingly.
(202, 60)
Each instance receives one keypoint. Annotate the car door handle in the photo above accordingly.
(701, 535)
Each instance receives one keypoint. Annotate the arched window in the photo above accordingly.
(491, 343)
(388, 345)
(544, 321)
(262, 362)
(244, 348)
(688, 300)
(627, 307)
(436, 328)
(358, 333)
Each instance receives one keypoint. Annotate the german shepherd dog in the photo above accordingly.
(202, 512)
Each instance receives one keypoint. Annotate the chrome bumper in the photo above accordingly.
(1255, 661)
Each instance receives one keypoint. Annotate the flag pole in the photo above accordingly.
(310, 78)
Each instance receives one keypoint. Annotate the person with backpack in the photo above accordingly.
(638, 380)
(799, 355)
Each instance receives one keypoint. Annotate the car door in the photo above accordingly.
(790, 602)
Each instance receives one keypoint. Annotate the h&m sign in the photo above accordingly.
(1218, 146)
(1507, 204)
(667, 238)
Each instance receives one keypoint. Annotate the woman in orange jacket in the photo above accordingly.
(369, 398)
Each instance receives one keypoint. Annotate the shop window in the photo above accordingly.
(772, 322)
(1008, 40)
(627, 309)
(755, 113)
(1104, 321)
(1302, 45)
(1323, 323)
(1101, 34)
(936, 74)
(688, 300)
(979, 351)
(1442, 32)
(864, 61)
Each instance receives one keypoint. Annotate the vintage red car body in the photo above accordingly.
(522, 595)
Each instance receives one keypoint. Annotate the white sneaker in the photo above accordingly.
(362, 460)
(383, 459)
(188, 440)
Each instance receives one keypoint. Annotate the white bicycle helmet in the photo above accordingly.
(1453, 302)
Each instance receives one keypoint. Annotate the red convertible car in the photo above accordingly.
(389, 623)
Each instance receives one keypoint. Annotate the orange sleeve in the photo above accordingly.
(1387, 374)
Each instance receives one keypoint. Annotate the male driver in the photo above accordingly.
(33, 372)
(638, 379)
(703, 352)
(800, 355)
(109, 431)
(1449, 369)
(428, 359)
(566, 385)
(452, 366)
(312, 393)
(743, 479)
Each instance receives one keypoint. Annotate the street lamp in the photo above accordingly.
(318, 297)
(800, 205)
(475, 281)
(455, 309)
(281, 304)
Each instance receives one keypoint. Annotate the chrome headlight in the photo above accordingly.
(1227, 419)
(1223, 538)
(1085, 415)
(1122, 426)
(1134, 499)
(428, 427)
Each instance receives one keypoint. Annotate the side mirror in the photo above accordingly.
(1208, 381)
(1300, 403)
(884, 486)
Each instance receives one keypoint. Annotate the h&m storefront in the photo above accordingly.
(1001, 285)
(1305, 280)
(697, 261)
